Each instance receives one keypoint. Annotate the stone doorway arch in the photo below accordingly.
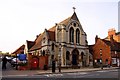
(75, 57)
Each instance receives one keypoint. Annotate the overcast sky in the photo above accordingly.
(22, 20)
(119, 16)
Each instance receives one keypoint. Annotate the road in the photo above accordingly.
(111, 74)
(92, 74)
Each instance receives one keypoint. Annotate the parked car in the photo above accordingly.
(9, 59)
(14, 62)
(17, 62)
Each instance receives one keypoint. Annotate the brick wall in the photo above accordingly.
(105, 51)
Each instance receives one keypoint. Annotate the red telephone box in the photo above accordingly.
(35, 63)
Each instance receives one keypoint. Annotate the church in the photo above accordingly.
(66, 43)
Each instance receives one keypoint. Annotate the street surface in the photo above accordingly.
(110, 73)
(93, 74)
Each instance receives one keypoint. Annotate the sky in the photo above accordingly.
(119, 16)
(22, 20)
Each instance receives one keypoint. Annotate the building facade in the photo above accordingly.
(66, 43)
(105, 52)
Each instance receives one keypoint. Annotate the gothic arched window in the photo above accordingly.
(71, 34)
(77, 36)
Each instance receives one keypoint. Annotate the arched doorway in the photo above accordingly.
(75, 57)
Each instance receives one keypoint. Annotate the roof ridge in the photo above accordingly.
(52, 28)
(65, 19)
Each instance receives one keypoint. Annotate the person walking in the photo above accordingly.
(4, 62)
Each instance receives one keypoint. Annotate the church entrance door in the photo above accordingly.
(75, 57)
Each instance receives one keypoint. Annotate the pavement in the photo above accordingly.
(12, 72)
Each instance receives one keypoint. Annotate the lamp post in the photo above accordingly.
(101, 58)
(116, 57)
(59, 57)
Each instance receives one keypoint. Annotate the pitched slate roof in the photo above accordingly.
(37, 44)
(65, 22)
(19, 50)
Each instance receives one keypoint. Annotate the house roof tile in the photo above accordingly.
(37, 44)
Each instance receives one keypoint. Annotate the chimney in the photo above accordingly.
(111, 39)
(96, 38)
(37, 36)
(56, 24)
(111, 32)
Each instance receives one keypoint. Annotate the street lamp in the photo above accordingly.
(101, 58)
(116, 57)
(59, 57)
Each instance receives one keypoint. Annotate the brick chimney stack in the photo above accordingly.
(111, 32)
(96, 38)
(111, 39)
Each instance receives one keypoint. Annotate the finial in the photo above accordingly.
(74, 9)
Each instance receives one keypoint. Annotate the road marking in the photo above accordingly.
(113, 70)
(106, 70)
(14, 75)
(83, 73)
(102, 71)
(53, 75)
(89, 75)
